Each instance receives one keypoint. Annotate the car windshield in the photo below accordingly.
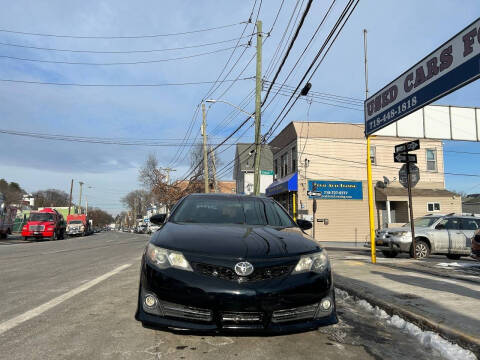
(76, 222)
(215, 210)
(425, 221)
(40, 217)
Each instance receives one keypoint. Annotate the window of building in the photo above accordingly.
(431, 160)
(431, 207)
(283, 165)
(275, 167)
(373, 155)
(294, 160)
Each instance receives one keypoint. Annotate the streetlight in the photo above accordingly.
(213, 101)
(257, 145)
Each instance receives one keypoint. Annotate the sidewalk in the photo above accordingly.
(444, 305)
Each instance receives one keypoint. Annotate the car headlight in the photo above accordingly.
(316, 262)
(400, 233)
(164, 258)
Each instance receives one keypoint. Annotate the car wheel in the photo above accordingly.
(55, 236)
(422, 250)
(389, 254)
(454, 256)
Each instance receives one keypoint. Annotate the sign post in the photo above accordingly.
(408, 176)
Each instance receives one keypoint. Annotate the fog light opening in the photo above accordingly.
(326, 304)
(150, 301)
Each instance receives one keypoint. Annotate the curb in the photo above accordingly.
(466, 341)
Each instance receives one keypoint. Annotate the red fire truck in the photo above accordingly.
(47, 223)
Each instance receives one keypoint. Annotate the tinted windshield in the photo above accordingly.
(214, 210)
(425, 221)
(40, 217)
(76, 222)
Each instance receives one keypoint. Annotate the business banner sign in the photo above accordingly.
(335, 190)
(451, 66)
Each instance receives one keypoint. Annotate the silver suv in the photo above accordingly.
(434, 234)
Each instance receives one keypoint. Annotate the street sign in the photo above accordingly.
(404, 158)
(414, 175)
(453, 65)
(408, 146)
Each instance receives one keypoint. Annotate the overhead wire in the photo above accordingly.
(119, 37)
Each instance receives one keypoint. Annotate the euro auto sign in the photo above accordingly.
(451, 66)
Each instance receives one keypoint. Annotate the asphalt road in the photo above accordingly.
(76, 298)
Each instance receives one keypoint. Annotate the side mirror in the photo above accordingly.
(158, 219)
(304, 224)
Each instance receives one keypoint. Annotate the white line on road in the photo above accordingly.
(9, 324)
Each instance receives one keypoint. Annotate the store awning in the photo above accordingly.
(286, 184)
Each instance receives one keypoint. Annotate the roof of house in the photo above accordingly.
(400, 191)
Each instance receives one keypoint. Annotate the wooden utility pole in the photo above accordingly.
(70, 201)
(205, 155)
(258, 109)
(214, 172)
(167, 170)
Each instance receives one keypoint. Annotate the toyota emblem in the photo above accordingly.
(243, 268)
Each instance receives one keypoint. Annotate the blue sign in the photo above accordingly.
(286, 184)
(335, 190)
(453, 65)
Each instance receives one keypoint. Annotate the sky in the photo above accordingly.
(399, 35)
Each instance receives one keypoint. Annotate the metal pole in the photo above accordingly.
(258, 110)
(373, 254)
(205, 155)
(412, 225)
(80, 200)
(214, 171)
(70, 201)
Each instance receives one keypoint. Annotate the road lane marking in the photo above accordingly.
(9, 324)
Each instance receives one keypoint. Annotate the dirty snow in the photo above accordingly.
(428, 339)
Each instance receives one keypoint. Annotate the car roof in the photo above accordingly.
(232, 196)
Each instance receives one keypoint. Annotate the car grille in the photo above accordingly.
(37, 227)
(238, 320)
(299, 313)
(226, 273)
(185, 312)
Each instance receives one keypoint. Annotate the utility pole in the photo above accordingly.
(258, 109)
(205, 155)
(214, 171)
(80, 200)
(167, 170)
(86, 206)
(70, 201)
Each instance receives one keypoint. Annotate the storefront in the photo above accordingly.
(285, 191)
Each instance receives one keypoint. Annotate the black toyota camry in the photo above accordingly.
(234, 263)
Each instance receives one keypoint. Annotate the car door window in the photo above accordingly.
(448, 224)
(469, 224)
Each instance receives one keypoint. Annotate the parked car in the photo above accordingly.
(476, 246)
(47, 223)
(449, 234)
(7, 218)
(230, 262)
(152, 228)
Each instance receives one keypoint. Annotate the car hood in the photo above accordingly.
(234, 241)
(404, 228)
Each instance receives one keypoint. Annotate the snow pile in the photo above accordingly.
(469, 264)
(428, 339)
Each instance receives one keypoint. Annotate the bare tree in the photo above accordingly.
(51, 197)
(137, 201)
(11, 191)
(99, 217)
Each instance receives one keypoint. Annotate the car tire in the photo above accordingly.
(55, 236)
(389, 254)
(422, 249)
(454, 256)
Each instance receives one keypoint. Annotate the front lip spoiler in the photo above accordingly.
(158, 323)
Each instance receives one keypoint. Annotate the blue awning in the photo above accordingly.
(286, 184)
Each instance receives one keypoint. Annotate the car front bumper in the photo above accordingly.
(192, 301)
(392, 243)
(37, 234)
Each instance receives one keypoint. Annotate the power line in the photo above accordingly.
(117, 85)
(115, 63)
(121, 51)
(120, 37)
